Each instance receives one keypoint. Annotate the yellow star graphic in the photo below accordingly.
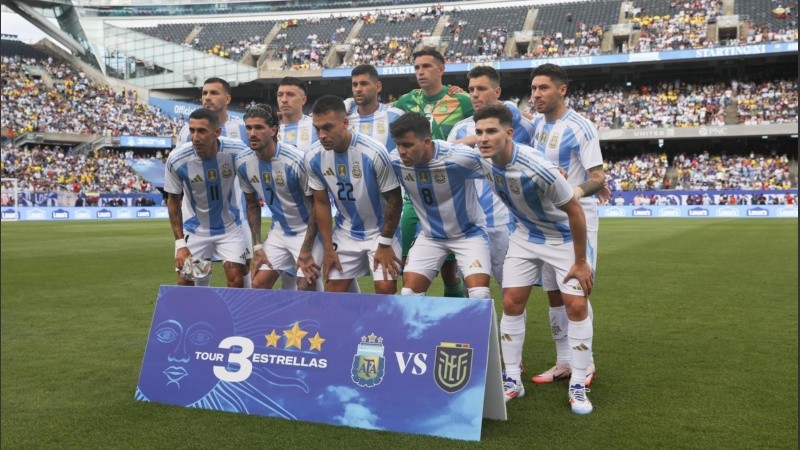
(294, 337)
(372, 337)
(272, 339)
(316, 342)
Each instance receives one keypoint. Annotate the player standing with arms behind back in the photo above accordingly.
(571, 142)
(443, 110)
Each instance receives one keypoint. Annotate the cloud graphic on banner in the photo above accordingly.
(419, 315)
(459, 418)
(355, 413)
(358, 416)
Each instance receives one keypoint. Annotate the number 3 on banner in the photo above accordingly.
(241, 358)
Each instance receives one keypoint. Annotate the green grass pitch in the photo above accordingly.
(695, 342)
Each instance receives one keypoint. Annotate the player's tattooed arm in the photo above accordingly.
(253, 216)
(305, 260)
(394, 206)
(595, 183)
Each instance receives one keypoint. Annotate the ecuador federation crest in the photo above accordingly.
(368, 362)
(453, 366)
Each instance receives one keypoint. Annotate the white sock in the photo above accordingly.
(591, 317)
(580, 342)
(407, 291)
(480, 292)
(248, 280)
(512, 336)
(559, 325)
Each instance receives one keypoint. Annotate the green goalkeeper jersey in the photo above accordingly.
(443, 110)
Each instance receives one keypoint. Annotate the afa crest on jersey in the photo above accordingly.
(304, 135)
(513, 185)
(341, 170)
(211, 175)
(356, 170)
(279, 180)
(439, 176)
(381, 126)
(368, 363)
(553, 141)
(453, 367)
(227, 171)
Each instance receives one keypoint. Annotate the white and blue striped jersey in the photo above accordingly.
(357, 180)
(571, 142)
(300, 134)
(281, 183)
(495, 212)
(443, 191)
(375, 125)
(208, 185)
(234, 129)
(532, 188)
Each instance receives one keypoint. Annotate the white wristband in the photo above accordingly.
(179, 244)
(385, 241)
(258, 247)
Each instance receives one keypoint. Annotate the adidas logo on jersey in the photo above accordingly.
(329, 172)
(475, 265)
(409, 177)
(197, 179)
(254, 179)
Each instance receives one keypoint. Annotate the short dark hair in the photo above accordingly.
(266, 112)
(429, 52)
(485, 71)
(411, 122)
(365, 69)
(225, 84)
(328, 103)
(292, 81)
(498, 111)
(205, 113)
(556, 73)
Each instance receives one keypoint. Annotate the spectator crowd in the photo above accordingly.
(50, 96)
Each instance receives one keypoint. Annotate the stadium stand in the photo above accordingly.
(48, 95)
(303, 44)
(481, 34)
(390, 38)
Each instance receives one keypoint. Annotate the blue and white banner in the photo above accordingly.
(145, 141)
(151, 169)
(701, 212)
(572, 61)
(407, 364)
(688, 212)
(181, 110)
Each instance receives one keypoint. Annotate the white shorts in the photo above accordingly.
(498, 246)
(282, 251)
(548, 279)
(225, 247)
(427, 255)
(525, 262)
(358, 257)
